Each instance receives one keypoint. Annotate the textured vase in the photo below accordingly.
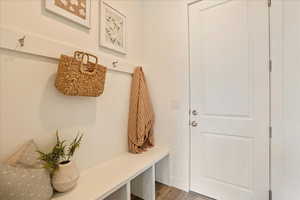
(65, 177)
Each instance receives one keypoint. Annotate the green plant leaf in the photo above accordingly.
(59, 153)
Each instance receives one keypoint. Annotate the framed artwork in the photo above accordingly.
(78, 11)
(112, 28)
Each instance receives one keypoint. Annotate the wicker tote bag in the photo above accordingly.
(80, 75)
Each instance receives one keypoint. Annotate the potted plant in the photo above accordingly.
(60, 164)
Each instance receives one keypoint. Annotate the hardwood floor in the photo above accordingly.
(164, 192)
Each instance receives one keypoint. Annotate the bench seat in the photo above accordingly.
(100, 181)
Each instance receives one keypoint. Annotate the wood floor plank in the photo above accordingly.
(164, 192)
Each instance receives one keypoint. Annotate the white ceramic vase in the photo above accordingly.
(65, 177)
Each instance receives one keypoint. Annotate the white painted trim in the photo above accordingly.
(39, 45)
(277, 97)
(128, 190)
(180, 184)
(190, 92)
(208, 4)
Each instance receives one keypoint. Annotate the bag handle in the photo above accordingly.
(80, 55)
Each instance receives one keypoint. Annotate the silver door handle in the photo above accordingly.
(194, 124)
(194, 112)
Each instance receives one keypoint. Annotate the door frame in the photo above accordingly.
(272, 94)
(277, 95)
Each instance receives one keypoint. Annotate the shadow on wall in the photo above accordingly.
(60, 111)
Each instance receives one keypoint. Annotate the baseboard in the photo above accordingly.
(180, 184)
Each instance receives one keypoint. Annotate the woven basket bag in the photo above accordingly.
(79, 76)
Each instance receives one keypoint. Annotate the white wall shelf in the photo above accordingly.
(42, 46)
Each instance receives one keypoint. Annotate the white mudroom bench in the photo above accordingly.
(118, 178)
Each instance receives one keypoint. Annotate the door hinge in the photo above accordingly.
(269, 3)
(270, 132)
(270, 66)
(270, 195)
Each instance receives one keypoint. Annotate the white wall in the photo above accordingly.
(32, 108)
(285, 96)
(157, 36)
(166, 65)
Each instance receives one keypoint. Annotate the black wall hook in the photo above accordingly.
(22, 41)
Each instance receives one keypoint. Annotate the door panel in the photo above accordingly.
(229, 91)
(237, 152)
(227, 76)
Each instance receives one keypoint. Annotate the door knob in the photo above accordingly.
(194, 124)
(194, 112)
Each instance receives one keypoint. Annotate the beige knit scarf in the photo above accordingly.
(141, 115)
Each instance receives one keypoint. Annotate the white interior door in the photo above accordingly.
(229, 53)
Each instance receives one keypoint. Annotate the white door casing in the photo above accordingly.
(285, 47)
(229, 56)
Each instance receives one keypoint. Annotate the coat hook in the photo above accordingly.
(22, 41)
(115, 63)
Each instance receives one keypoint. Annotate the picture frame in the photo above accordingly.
(113, 28)
(78, 11)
